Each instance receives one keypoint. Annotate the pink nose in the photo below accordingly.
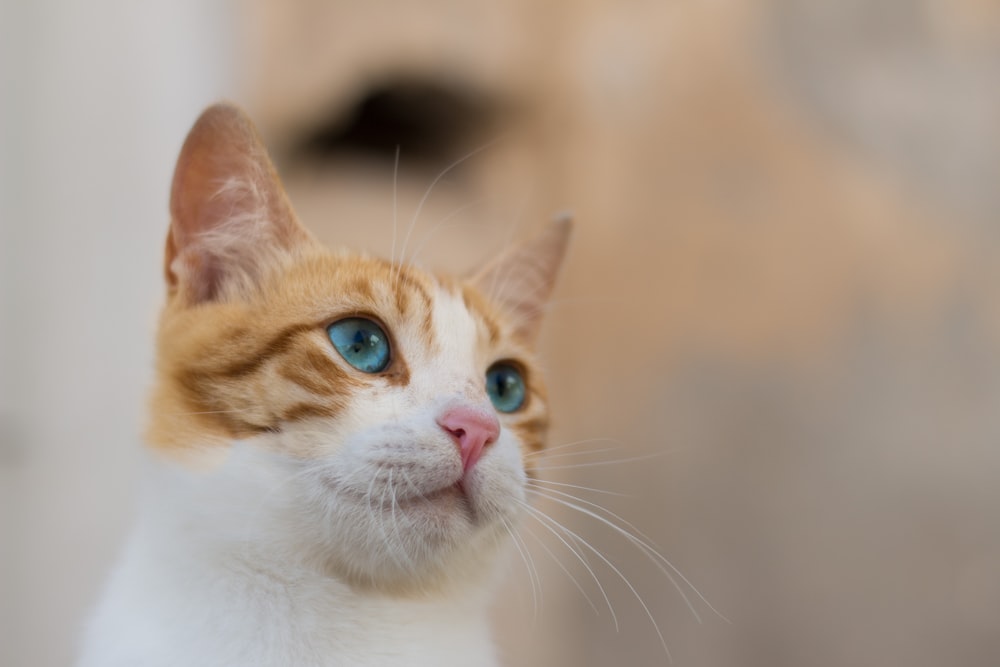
(472, 429)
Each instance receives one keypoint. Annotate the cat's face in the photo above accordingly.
(396, 408)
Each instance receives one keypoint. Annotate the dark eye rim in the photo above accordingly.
(525, 378)
(363, 315)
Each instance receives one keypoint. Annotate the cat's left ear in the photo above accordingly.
(230, 217)
(521, 279)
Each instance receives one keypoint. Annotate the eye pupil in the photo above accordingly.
(505, 387)
(361, 342)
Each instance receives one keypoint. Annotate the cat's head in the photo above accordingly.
(397, 409)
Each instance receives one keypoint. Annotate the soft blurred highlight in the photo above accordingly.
(776, 340)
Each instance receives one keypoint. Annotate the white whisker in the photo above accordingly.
(644, 549)
(395, 200)
(386, 543)
(427, 194)
(395, 525)
(558, 562)
(541, 517)
(369, 499)
(582, 452)
(575, 443)
(442, 224)
(529, 564)
(628, 583)
(543, 491)
(578, 486)
(642, 544)
(602, 463)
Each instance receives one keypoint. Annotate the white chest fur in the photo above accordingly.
(201, 585)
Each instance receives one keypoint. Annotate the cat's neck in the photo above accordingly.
(221, 548)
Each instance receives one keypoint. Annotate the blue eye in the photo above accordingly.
(505, 386)
(362, 343)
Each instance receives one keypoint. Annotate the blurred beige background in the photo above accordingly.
(780, 321)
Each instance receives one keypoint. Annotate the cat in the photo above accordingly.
(338, 444)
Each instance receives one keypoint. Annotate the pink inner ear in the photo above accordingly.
(229, 212)
(209, 276)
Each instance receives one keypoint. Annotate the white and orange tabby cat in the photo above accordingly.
(337, 445)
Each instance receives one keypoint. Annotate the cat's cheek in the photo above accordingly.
(313, 439)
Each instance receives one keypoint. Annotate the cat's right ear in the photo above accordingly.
(230, 216)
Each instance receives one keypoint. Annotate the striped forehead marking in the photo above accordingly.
(477, 306)
(412, 297)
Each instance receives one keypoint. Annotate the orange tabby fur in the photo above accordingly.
(232, 370)
(307, 505)
(253, 359)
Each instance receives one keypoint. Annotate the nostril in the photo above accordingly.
(472, 429)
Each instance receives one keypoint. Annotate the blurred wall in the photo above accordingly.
(96, 98)
(777, 331)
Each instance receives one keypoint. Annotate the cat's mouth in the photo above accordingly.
(451, 497)
(452, 494)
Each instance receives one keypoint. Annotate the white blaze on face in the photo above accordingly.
(454, 367)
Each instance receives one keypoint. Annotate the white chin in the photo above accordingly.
(416, 542)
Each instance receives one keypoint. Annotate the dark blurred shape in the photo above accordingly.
(431, 123)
